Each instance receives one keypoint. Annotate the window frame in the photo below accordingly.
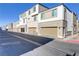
(43, 14)
(23, 20)
(34, 9)
(54, 12)
(35, 18)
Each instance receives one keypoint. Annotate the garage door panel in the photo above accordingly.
(32, 30)
(49, 31)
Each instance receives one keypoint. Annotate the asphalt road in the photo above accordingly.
(15, 44)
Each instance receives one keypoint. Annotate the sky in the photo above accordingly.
(9, 12)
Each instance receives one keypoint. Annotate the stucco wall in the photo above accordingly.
(74, 23)
(51, 23)
(42, 8)
(58, 24)
(60, 14)
(69, 19)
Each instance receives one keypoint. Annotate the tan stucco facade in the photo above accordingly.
(32, 30)
(52, 28)
(19, 28)
(49, 31)
(32, 27)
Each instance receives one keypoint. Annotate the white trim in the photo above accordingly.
(51, 19)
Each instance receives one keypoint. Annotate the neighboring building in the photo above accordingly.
(15, 26)
(12, 27)
(9, 27)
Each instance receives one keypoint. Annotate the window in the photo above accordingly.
(54, 12)
(49, 14)
(42, 15)
(28, 18)
(34, 18)
(23, 20)
(34, 9)
(65, 13)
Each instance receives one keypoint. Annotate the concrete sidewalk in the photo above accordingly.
(55, 48)
(45, 50)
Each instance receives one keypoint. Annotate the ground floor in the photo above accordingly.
(57, 29)
(49, 29)
(28, 29)
(52, 29)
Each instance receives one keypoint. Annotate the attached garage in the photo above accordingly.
(32, 30)
(49, 31)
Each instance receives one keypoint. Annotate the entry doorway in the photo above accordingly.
(22, 30)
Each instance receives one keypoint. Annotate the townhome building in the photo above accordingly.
(57, 22)
(29, 19)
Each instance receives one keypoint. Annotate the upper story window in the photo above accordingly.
(49, 14)
(54, 12)
(42, 15)
(28, 18)
(34, 9)
(35, 18)
(23, 20)
(65, 13)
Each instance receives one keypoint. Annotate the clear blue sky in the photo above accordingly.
(9, 12)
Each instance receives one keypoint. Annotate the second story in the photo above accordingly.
(60, 12)
(53, 14)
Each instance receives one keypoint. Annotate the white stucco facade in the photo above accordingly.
(60, 14)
